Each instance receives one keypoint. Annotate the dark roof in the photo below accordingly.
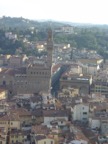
(55, 113)
(37, 113)
(40, 137)
(40, 129)
(36, 98)
(21, 70)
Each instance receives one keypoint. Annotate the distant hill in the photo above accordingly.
(22, 23)
(87, 25)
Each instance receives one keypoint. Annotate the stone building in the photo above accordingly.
(81, 82)
(34, 78)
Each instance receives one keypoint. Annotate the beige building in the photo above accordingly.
(81, 82)
(44, 140)
(9, 122)
(17, 136)
(3, 94)
(24, 115)
(91, 66)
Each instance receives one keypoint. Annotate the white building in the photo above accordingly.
(75, 68)
(51, 115)
(100, 122)
(104, 126)
(94, 123)
(78, 142)
(81, 112)
(10, 35)
(67, 29)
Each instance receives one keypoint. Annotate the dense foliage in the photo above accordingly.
(94, 37)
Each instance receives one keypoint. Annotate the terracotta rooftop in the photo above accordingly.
(21, 112)
(40, 137)
(10, 117)
(40, 129)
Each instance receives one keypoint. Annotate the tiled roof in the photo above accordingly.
(40, 137)
(21, 112)
(40, 129)
(10, 117)
(55, 113)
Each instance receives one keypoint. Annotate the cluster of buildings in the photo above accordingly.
(67, 29)
(54, 99)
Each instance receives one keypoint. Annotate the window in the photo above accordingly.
(84, 118)
(11, 123)
(44, 142)
(51, 142)
(4, 82)
(85, 113)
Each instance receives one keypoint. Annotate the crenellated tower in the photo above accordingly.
(49, 48)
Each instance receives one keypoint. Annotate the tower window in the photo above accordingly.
(4, 82)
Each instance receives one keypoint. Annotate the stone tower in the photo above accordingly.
(49, 48)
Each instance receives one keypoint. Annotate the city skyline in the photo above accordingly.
(80, 11)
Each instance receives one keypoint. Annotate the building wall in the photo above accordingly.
(93, 69)
(79, 142)
(18, 137)
(3, 94)
(81, 112)
(3, 108)
(1, 62)
(6, 79)
(26, 119)
(47, 120)
(15, 62)
(83, 86)
(45, 141)
(3, 138)
(100, 89)
(10, 124)
(94, 123)
(36, 80)
(104, 127)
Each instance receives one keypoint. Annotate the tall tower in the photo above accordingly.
(49, 48)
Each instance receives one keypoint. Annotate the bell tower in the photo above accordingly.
(49, 48)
